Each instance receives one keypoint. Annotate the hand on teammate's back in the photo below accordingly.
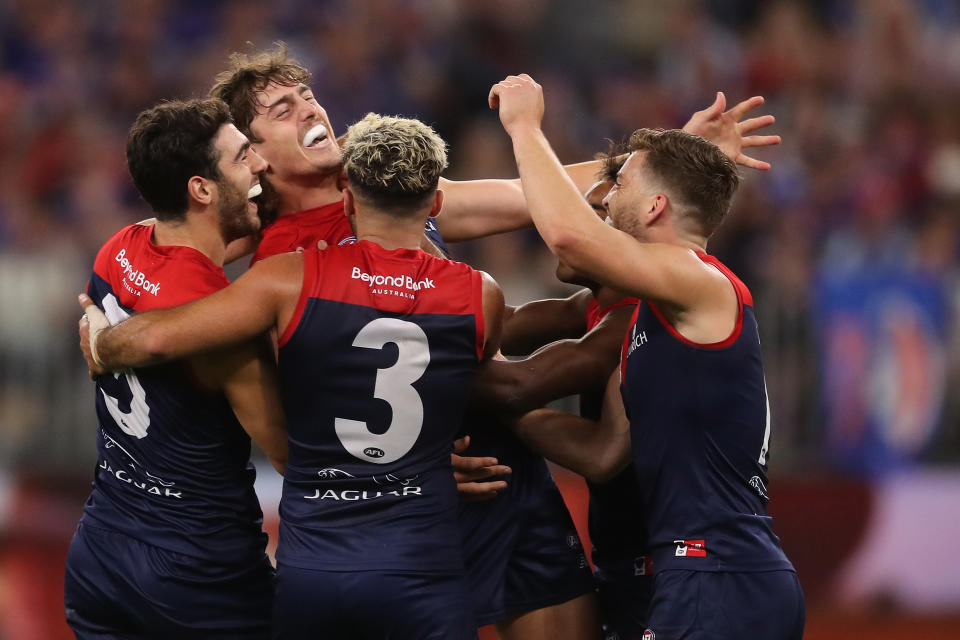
(473, 473)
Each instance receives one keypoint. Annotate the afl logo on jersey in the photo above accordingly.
(373, 452)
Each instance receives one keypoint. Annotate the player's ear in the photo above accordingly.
(200, 189)
(437, 204)
(656, 209)
(349, 206)
(342, 181)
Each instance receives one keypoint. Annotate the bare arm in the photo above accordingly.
(262, 298)
(478, 208)
(492, 316)
(534, 324)
(666, 273)
(248, 376)
(557, 370)
(595, 450)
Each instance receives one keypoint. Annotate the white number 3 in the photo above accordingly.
(393, 385)
(137, 420)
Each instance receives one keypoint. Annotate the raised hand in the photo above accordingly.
(725, 129)
(520, 101)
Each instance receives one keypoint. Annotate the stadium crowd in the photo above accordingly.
(864, 92)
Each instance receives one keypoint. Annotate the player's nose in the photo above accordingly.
(257, 162)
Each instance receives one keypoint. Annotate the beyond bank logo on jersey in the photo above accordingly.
(397, 282)
(136, 277)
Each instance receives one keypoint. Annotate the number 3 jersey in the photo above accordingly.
(173, 468)
(376, 366)
(700, 427)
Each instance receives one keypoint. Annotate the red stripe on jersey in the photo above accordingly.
(302, 230)
(595, 314)
(478, 314)
(311, 272)
(743, 298)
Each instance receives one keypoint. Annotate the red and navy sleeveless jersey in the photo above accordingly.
(173, 468)
(305, 229)
(700, 428)
(375, 368)
(615, 518)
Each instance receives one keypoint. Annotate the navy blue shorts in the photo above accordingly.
(624, 592)
(706, 605)
(371, 605)
(118, 587)
(521, 549)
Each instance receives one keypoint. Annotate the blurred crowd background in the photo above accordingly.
(850, 244)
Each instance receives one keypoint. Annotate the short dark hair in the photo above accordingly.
(168, 144)
(700, 177)
(612, 160)
(248, 75)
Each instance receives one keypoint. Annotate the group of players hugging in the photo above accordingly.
(355, 354)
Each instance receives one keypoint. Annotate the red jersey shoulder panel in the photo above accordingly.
(595, 314)
(147, 276)
(303, 230)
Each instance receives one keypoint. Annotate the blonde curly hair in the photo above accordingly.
(394, 163)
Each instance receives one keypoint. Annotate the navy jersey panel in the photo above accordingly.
(173, 468)
(371, 605)
(623, 568)
(521, 549)
(433, 232)
(375, 374)
(119, 587)
(704, 605)
(699, 425)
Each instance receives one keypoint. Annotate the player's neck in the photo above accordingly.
(388, 231)
(296, 195)
(606, 296)
(192, 233)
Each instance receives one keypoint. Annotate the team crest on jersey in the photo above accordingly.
(649, 635)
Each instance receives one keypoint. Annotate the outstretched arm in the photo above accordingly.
(668, 273)
(595, 450)
(534, 324)
(478, 208)
(262, 298)
(557, 370)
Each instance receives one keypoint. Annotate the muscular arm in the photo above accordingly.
(557, 370)
(667, 273)
(248, 376)
(492, 316)
(595, 450)
(262, 298)
(534, 324)
(478, 208)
